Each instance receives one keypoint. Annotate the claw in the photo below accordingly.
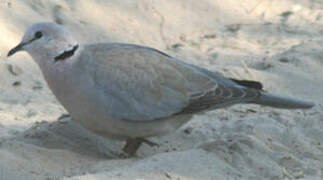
(132, 145)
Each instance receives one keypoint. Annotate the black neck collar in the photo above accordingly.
(66, 54)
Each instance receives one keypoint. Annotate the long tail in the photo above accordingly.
(276, 101)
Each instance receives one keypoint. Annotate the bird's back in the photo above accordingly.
(150, 84)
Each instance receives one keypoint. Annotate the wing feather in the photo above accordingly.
(217, 98)
(143, 84)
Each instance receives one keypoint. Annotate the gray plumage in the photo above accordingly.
(128, 91)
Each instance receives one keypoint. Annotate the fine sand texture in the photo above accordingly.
(276, 42)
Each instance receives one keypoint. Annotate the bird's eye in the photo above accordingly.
(38, 34)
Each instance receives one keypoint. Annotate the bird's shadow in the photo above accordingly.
(67, 135)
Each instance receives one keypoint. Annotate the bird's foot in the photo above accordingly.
(132, 145)
(149, 143)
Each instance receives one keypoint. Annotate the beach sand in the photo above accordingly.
(279, 43)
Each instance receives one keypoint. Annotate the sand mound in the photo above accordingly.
(276, 42)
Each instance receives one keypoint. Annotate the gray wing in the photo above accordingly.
(144, 84)
(226, 93)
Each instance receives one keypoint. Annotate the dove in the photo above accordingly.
(130, 92)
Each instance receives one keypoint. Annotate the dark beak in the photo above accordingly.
(19, 47)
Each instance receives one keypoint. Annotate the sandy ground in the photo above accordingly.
(276, 42)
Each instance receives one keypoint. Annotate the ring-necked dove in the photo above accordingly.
(131, 92)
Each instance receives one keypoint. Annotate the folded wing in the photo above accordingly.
(143, 84)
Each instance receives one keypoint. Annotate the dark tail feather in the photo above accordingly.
(249, 84)
(276, 101)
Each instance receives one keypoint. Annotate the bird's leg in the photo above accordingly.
(132, 145)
